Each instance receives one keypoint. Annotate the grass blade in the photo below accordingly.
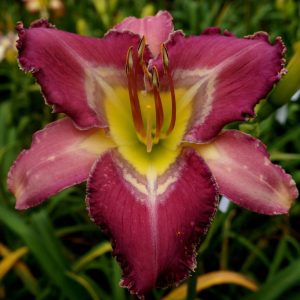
(52, 266)
(281, 282)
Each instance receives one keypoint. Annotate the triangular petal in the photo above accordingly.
(156, 29)
(75, 72)
(60, 156)
(245, 174)
(154, 222)
(224, 76)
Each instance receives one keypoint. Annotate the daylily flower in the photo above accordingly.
(145, 108)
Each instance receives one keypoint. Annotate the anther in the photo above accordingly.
(129, 61)
(155, 80)
(165, 56)
(141, 48)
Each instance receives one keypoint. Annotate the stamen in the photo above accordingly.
(146, 72)
(133, 96)
(129, 61)
(133, 68)
(173, 99)
(149, 141)
(159, 113)
(155, 80)
(166, 61)
(165, 56)
(141, 48)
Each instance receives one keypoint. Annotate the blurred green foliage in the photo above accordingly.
(65, 255)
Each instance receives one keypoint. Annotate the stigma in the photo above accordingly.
(149, 130)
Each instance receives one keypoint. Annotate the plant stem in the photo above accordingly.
(192, 282)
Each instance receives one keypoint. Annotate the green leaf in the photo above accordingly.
(39, 240)
(280, 283)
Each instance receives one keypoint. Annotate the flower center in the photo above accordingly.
(147, 131)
